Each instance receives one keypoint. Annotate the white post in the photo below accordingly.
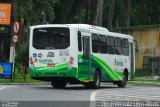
(153, 62)
(12, 57)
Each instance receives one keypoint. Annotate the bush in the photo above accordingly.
(22, 57)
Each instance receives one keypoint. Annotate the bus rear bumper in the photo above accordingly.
(49, 75)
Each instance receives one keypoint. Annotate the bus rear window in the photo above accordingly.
(51, 38)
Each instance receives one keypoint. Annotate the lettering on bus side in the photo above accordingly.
(34, 55)
(45, 61)
(40, 55)
(118, 63)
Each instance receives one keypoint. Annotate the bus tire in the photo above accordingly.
(96, 83)
(123, 83)
(58, 84)
(97, 79)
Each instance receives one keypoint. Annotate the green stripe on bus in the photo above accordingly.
(58, 67)
(107, 69)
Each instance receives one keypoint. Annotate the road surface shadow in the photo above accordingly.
(75, 87)
(84, 88)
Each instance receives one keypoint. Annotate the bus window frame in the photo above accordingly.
(125, 46)
(110, 45)
(96, 42)
(104, 43)
(80, 42)
(118, 46)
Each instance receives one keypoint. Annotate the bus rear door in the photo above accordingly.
(85, 64)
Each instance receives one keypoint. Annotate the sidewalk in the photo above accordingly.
(147, 78)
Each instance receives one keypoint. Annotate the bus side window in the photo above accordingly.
(118, 46)
(103, 44)
(95, 43)
(125, 45)
(79, 41)
(110, 45)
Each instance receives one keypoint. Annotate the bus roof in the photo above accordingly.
(119, 35)
(86, 27)
(80, 26)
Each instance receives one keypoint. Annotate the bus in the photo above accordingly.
(80, 54)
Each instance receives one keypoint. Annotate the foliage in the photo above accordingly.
(123, 12)
(22, 54)
(141, 73)
(34, 11)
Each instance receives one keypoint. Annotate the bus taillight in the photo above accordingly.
(71, 60)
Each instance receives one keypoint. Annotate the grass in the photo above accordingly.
(155, 81)
(19, 78)
(145, 83)
(141, 73)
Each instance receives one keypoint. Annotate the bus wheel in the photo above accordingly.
(122, 83)
(58, 84)
(96, 83)
(97, 79)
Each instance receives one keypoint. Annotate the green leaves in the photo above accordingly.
(35, 11)
(139, 12)
(22, 54)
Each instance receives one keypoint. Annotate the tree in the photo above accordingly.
(127, 12)
(117, 12)
(111, 13)
(69, 12)
(99, 15)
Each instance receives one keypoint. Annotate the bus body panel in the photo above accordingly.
(111, 66)
(53, 62)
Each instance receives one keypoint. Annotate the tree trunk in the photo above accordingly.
(111, 13)
(93, 5)
(44, 16)
(86, 10)
(14, 3)
(99, 16)
(127, 12)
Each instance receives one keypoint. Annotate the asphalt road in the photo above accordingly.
(77, 93)
(44, 93)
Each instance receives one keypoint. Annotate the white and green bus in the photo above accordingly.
(80, 53)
